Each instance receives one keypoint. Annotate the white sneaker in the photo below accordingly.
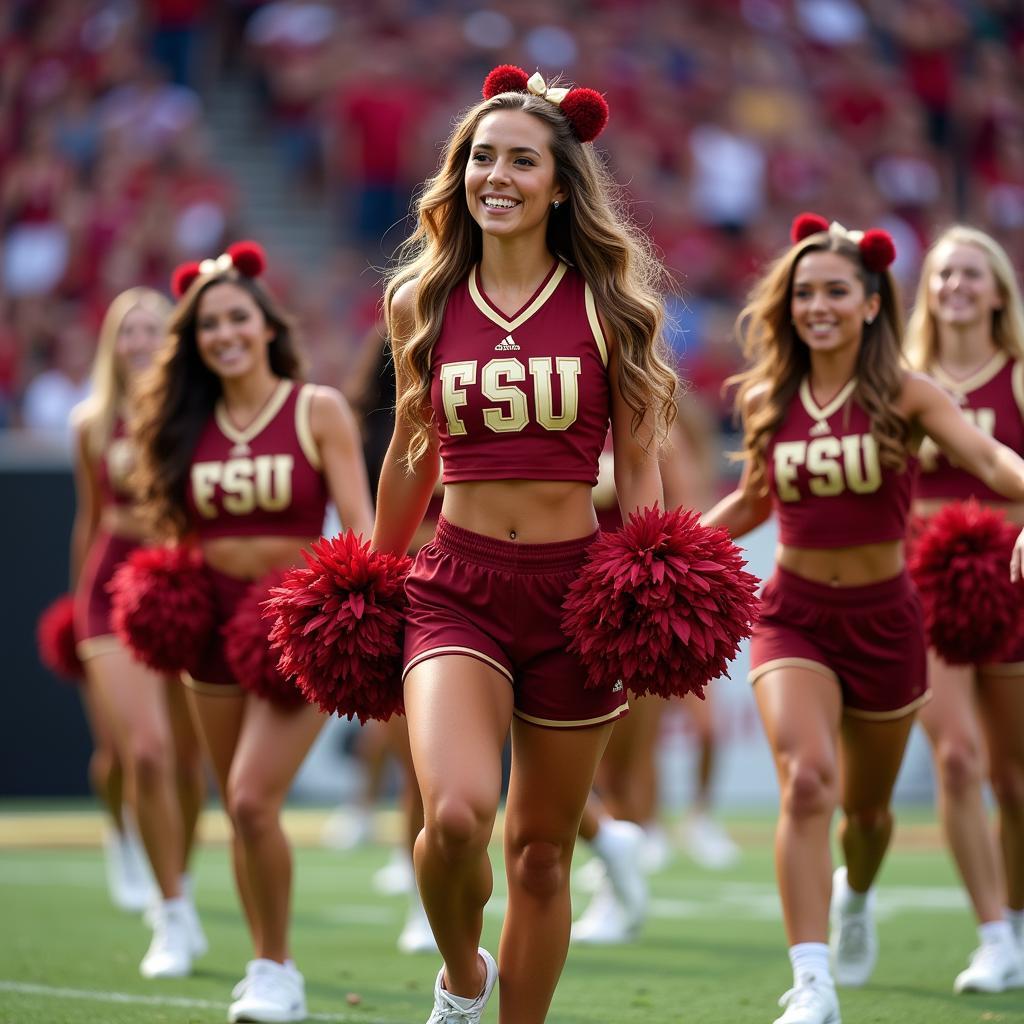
(271, 993)
(397, 877)
(656, 853)
(129, 880)
(448, 1011)
(170, 951)
(708, 844)
(853, 939)
(995, 967)
(591, 876)
(810, 1001)
(239, 990)
(417, 935)
(604, 922)
(346, 828)
(621, 845)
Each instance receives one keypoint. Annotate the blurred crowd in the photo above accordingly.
(727, 118)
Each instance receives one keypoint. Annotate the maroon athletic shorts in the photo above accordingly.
(500, 602)
(869, 639)
(93, 630)
(213, 674)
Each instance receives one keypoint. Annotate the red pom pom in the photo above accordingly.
(182, 278)
(338, 623)
(662, 604)
(247, 646)
(248, 258)
(55, 638)
(505, 78)
(806, 224)
(961, 565)
(587, 111)
(877, 250)
(162, 607)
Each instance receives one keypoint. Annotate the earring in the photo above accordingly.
(555, 205)
(869, 321)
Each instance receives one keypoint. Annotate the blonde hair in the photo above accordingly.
(588, 232)
(95, 415)
(779, 360)
(922, 338)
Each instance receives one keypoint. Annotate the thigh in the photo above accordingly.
(801, 710)
(272, 744)
(219, 720)
(552, 774)
(183, 727)
(132, 697)
(871, 755)
(97, 717)
(458, 712)
(1001, 702)
(952, 712)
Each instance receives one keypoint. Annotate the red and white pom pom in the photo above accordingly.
(182, 278)
(587, 111)
(247, 646)
(662, 604)
(163, 607)
(877, 250)
(248, 258)
(338, 623)
(504, 78)
(806, 224)
(55, 638)
(961, 564)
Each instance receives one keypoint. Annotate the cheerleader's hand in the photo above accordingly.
(1017, 559)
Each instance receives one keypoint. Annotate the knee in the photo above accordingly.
(1008, 787)
(540, 867)
(869, 820)
(809, 789)
(104, 765)
(251, 813)
(959, 765)
(151, 760)
(457, 827)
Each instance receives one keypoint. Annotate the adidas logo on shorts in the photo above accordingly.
(507, 344)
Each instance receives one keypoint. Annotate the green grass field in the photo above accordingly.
(713, 950)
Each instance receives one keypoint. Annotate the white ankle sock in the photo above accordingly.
(995, 933)
(599, 844)
(809, 958)
(852, 902)
(1016, 921)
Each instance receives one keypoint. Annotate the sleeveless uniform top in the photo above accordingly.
(993, 400)
(117, 462)
(265, 480)
(828, 486)
(524, 397)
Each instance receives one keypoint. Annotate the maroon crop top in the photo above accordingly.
(993, 399)
(521, 397)
(829, 488)
(265, 480)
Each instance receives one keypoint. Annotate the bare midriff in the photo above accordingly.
(844, 567)
(927, 507)
(123, 521)
(529, 511)
(249, 558)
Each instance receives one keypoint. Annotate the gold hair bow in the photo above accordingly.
(222, 263)
(538, 87)
(837, 229)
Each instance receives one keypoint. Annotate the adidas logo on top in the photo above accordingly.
(507, 344)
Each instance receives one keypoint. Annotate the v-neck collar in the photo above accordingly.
(980, 377)
(271, 407)
(811, 406)
(539, 297)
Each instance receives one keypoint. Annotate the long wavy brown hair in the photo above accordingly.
(177, 397)
(590, 232)
(778, 359)
(922, 338)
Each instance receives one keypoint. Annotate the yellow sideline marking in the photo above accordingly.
(128, 998)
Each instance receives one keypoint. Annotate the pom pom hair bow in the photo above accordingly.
(661, 604)
(248, 258)
(585, 109)
(877, 250)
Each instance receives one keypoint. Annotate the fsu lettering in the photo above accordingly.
(983, 419)
(499, 382)
(246, 483)
(832, 465)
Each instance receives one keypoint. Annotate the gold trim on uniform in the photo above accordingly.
(580, 723)
(884, 716)
(92, 646)
(976, 380)
(261, 420)
(211, 689)
(436, 652)
(510, 325)
(811, 406)
(304, 425)
(595, 323)
(808, 663)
